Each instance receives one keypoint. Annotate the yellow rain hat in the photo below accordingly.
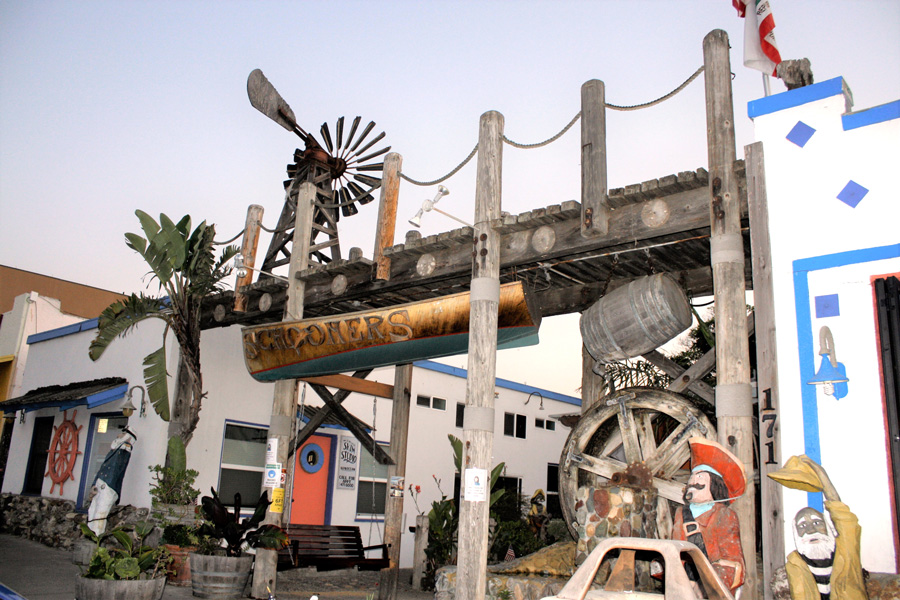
(797, 475)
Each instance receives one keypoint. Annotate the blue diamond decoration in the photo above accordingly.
(827, 306)
(800, 134)
(852, 194)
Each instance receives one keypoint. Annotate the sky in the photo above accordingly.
(108, 106)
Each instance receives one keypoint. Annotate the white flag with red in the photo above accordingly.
(760, 50)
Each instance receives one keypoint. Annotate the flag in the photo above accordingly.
(510, 555)
(760, 50)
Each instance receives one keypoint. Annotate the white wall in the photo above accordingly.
(820, 242)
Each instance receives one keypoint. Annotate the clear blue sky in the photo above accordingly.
(107, 107)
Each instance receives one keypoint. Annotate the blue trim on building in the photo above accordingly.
(501, 383)
(797, 97)
(805, 344)
(62, 331)
(871, 116)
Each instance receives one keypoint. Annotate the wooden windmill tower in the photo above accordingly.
(339, 168)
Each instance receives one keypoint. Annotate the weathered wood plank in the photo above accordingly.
(354, 384)
(594, 206)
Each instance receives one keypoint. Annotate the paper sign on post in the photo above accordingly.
(476, 485)
(277, 505)
(272, 475)
(271, 450)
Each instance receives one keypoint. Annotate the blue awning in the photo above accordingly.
(92, 394)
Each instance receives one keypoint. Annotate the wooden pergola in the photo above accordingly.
(694, 225)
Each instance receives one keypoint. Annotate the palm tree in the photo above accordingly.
(183, 263)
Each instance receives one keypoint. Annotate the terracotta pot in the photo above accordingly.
(180, 568)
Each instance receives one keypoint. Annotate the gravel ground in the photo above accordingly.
(347, 584)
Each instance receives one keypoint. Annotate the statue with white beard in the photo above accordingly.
(826, 564)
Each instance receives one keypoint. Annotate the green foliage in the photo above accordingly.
(177, 534)
(177, 457)
(517, 534)
(133, 559)
(504, 594)
(183, 263)
(236, 534)
(173, 486)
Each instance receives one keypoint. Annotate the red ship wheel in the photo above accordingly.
(63, 452)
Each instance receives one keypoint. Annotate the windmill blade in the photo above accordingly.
(370, 156)
(266, 99)
(353, 129)
(362, 196)
(363, 135)
(370, 144)
(340, 132)
(326, 136)
(372, 167)
(373, 181)
(348, 207)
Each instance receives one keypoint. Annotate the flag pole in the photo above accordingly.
(766, 89)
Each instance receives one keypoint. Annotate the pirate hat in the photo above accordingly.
(707, 453)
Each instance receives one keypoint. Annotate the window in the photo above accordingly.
(545, 424)
(372, 489)
(243, 463)
(104, 430)
(435, 403)
(514, 425)
(460, 414)
(553, 492)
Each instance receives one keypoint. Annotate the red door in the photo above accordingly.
(312, 482)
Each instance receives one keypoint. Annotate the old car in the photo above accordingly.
(630, 555)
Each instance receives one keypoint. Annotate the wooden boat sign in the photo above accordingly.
(377, 338)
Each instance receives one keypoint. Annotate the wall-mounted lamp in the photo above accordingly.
(429, 205)
(527, 400)
(832, 375)
(21, 417)
(128, 406)
(241, 269)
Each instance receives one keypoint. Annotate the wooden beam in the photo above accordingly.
(249, 245)
(674, 370)
(594, 204)
(771, 505)
(393, 512)
(734, 402)
(593, 386)
(347, 419)
(478, 428)
(387, 214)
(317, 419)
(354, 384)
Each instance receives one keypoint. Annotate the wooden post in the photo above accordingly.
(284, 403)
(734, 401)
(771, 509)
(419, 557)
(593, 386)
(393, 512)
(478, 425)
(387, 214)
(249, 244)
(594, 204)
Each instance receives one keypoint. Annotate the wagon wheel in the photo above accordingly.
(63, 453)
(656, 424)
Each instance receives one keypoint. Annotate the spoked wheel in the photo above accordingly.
(632, 425)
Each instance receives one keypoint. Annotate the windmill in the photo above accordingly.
(339, 168)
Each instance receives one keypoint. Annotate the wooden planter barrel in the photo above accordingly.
(219, 577)
(635, 318)
(119, 589)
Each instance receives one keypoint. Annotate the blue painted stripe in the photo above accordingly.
(797, 97)
(116, 393)
(7, 593)
(502, 383)
(871, 116)
(62, 331)
(805, 347)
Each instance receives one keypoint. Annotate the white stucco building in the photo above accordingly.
(834, 226)
(228, 447)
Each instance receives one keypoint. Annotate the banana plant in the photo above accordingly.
(183, 263)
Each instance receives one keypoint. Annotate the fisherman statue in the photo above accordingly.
(826, 563)
(706, 520)
(107, 485)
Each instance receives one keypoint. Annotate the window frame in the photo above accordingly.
(374, 480)
(237, 466)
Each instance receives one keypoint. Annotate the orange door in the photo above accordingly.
(312, 482)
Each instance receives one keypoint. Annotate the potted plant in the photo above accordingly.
(131, 570)
(174, 497)
(180, 540)
(221, 566)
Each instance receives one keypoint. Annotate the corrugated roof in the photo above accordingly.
(81, 393)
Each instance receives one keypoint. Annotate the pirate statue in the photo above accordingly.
(826, 563)
(717, 478)
(107, 486)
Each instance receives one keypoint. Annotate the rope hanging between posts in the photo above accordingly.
(558, 135)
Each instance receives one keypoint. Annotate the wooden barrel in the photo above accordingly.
(635, 318)
(117, 589)
(83, 551)
(219, 576)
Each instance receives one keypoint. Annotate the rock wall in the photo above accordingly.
(54, 522)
